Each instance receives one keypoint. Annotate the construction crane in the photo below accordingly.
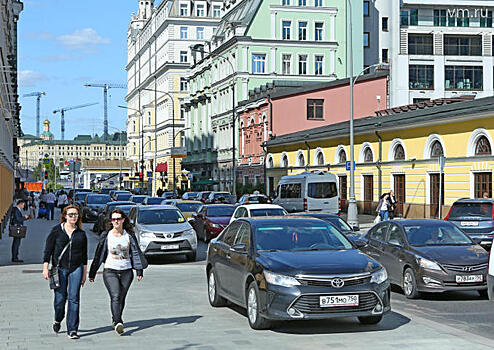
(38, 96)
(105, 88)
(62, 113)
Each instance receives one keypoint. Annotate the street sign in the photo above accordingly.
(178, 152)
(149, 174)
(348, 165)
(190, 176)
(46, 161)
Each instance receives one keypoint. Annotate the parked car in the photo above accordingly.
(190, 196)
(202, 196)
(309, 191)
(137, 198)
(73, 192)
(122, 196)
(293, 269)
(106, 190)
(169, 195)
(336, 221)
(254, 199)
(253, 210)
(428, 256)
(152, 201)
(79, 199)
(220, 197)
(188, 207)
(93, 204)
(104, 215)
(475, 217)
(163, 230)
(114, 194)
(211, 219)
(490, 277)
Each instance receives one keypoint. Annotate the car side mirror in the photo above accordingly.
(477, 240)
(360, 244)
(394, 242)
(355, 228)
(239, 248)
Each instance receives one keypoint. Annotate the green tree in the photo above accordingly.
(39, 174)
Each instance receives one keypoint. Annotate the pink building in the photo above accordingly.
(284, 107)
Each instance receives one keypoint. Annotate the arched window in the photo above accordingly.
(436, 149)
(399, 153)
(320, 158)
(368, 157)
(284, 161)
(300, 159)
(483, 147)
(342, 157)
(270, 163)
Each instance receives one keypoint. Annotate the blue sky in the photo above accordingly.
(62, 45)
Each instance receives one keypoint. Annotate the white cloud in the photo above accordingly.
(85, 40)
(29, 78)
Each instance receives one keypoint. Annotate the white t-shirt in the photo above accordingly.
(62, 199)
(384, 205)
(118, 252)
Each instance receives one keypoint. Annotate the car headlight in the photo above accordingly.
(215, 225)
(280, 280)
(189, 233)
(148, 234)
(428, 264)
(379, 276)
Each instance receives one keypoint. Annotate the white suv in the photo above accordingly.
(253, 210)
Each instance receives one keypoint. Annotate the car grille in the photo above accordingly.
(327, 282)
(465, 268)
(480, 230)
(162, 235)
(309, 304)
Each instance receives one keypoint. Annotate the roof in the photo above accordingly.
(242, 14)
(446, 113)
(260, 206)
(475, 200)
(113, 139)
(156, 207)
(422, 105)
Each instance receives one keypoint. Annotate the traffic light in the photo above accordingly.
(141, 176)
(46, 174)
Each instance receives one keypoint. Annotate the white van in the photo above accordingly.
(309, 191)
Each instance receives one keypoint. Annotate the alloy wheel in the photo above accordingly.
(211, 287)
(408, 283)
(252, 306)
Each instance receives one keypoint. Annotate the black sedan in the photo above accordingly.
(337, 222)
(93, 205)
(289, 268)
(428, 256)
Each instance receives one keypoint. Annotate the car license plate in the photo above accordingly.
(469, 223)
(469, 279)
(338, 300)
(170, 247)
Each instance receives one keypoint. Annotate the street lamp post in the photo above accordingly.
(142, 141)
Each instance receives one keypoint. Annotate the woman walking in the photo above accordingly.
(62, 200)
(119, 251)
(66, 247)
(383, 206)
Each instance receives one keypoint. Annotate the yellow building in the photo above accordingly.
(399, 149)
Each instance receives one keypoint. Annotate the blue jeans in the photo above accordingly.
(71, 283)
(51, 210)
(384, 215)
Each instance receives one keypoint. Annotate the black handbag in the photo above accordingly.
(17, 231)
(54, 273)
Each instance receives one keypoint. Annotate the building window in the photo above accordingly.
(462, 21)
(200, 10)
(184, 84)
(486, 22)
(286, 64)
(318, 64)
(440, 18)
(302, 30)
(258, 64)
(302, 64)
(287, 27)
(384, 25)
(183, 32)
(286, 3)
(399, 153)
(284, 161)
(183, 56)
(366, 39)
(385, 57)
(184, 10)
(342, 157)
(200, 33)
(318, 27)
(366, 8)
(302, 2)
(320, 158)
(315, 109)
(483, 147)
(317, 3)
(436, 149)
(216, 11)
(463, 78)
(300, 159)
(462, 45)
(420, 77)
(420, 100)
(420, 44)
(483, 184)
(409, 17)
(368, 157)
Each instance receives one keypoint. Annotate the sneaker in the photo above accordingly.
(119, 328)
(73, 335)
(113, 324)
(56, 326)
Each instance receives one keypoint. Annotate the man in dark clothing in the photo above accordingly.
(17, 219)
(159, 192)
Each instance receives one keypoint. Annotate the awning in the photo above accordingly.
(161, 167)
(205, 182)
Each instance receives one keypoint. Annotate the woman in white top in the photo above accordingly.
(119, 251)
(383, 206)
(62, 201)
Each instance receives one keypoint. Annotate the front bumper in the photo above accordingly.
(432, 281)
(159, 246)
(302, 302)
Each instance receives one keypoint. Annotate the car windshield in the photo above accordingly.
(80, 196)
(471, 209)
(154, 200)
(322, 190)
(123, 196)
(257, 199)
(137, 199)
(220, 211)
(435, 235)
(340, 224)
(190, 194)
(189, 207)
(161, 216)
(126, 208)
(267, 212)
(221, 194)
(300, 235)
(100, 199)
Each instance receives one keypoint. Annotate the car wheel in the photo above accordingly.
(213, 295)
(256, 321)
(370, 319)
(484, 293)
(410, 284)
(191, 256)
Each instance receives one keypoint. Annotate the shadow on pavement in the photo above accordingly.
(136, 326)
(446, 296)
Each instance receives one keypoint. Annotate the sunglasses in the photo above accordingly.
(73, 215)
(117, 219)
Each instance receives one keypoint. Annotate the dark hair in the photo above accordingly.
(126, 224)
(63, 217)
(20, 201)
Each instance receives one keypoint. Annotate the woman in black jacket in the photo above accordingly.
(66, 246)
(119, 251)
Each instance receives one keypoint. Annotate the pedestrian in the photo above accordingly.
(50, 204)
(17, 219)
(62, 200)
(42, 197)
(391, 204)
(66, 247)
(382, 207)
(159, 192)
(119, 251)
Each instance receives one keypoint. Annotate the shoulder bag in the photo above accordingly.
(16, 231)
(54, 272)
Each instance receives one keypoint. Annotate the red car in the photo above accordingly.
(211, 220)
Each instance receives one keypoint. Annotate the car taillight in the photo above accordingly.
(449, 212)
(339, 204)
(305, 205)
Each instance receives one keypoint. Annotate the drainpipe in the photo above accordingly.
(308, 155)
(264, 146)
(270, 115)
(378, 164)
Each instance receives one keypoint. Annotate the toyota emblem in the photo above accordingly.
(467, 268)
(169, 235)
(337, 283)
